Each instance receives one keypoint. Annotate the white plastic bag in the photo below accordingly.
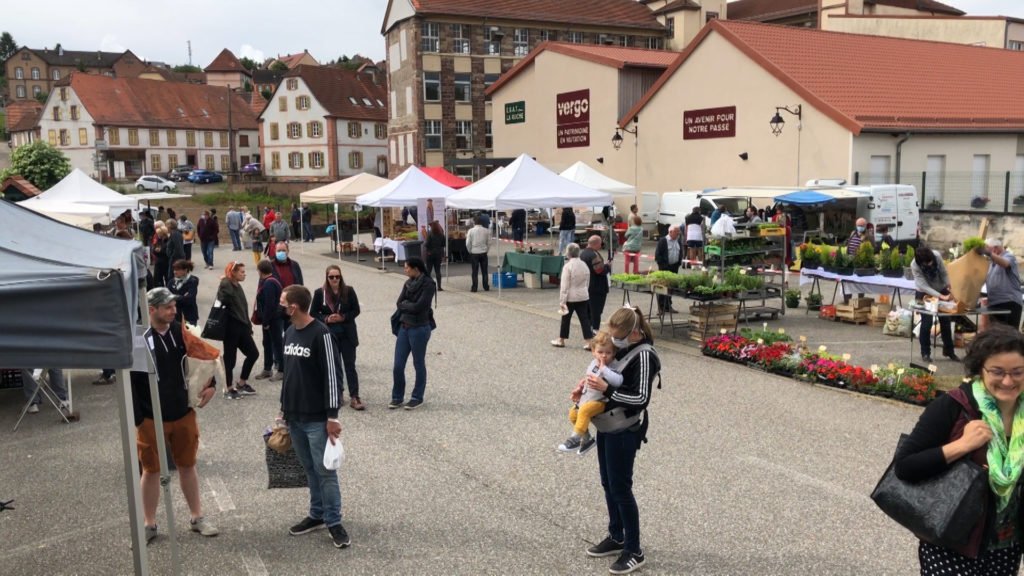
(334, 454)
(724, 226)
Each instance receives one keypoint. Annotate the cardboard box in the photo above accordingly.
(532, 280)
(880, 310)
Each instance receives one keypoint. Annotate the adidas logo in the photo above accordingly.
(296, 350)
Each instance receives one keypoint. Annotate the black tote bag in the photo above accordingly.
(941, 510)
(216, 322)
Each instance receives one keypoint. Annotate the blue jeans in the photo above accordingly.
(29, 386)
(410, 340)
(236, 239)
(208, 252)
(307, 232)
(615, 455)
(309, 440)
(565, 237)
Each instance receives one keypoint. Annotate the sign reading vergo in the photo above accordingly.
(573, 119)
(709, 123)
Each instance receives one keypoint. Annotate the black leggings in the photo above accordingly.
(582, 310)
(434, 264)
(238, 336)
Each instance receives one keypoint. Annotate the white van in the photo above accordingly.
(676, 206)
(894, 206)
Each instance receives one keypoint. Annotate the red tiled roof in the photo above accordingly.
(20, 184)
(614, 56)
(159, 104)
(332, 87)
(23, 115)
(880, 83)
(226, 62)
(292, 60)
(617, 13)
(768, 10)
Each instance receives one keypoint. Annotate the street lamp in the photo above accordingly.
(617, 144)
(777, 122)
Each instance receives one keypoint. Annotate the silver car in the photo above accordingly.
(155, 183)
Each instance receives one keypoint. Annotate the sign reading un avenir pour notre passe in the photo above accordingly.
(515, 112)
(709, 123)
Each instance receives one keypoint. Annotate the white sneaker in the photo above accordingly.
(33, 409)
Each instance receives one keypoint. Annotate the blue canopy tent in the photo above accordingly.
(805, 198)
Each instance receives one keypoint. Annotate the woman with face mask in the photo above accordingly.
(286, 270)
(237, 330)
(617, 444)
(931, 279)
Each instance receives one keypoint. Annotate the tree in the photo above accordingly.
(185, 68)
(279, 66)
(39, 163)
(266, 93)
(248, 63)
(349, 63)
(42, 96)
(7, 47)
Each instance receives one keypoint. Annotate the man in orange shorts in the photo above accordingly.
(165, 342)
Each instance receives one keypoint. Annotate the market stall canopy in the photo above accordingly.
(150, 196)
(77, 187)
(770, 193)
(804, 198)
(405, 190)
(344, 190)
(526, 184)
(62, 280)
(582, 173)
(81, 215)
(445, 177)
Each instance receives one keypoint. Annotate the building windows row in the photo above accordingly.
(463, 135)
(432, 87)
(461, 38)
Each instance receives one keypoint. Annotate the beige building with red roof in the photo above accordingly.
(443, 54)
(293, 61)
(126, 127)
(561, 103)
(324, 123)
(945, 117)
(226, 70)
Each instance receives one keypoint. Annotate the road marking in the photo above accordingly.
(254, 565)
(220, 493)
(806, 479)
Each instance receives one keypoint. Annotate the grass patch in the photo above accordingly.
(246, 198)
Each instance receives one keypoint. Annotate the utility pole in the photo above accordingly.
(189, 42)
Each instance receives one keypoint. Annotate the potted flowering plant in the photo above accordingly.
(864, 260)
(813, 301)
(908, 259)
(770, 357)
(725, 346)
(979, 202)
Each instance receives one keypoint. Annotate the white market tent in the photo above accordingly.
(78, 188)
(150, 196)
(347, 191)
(582, 173)
(405, 190)
(525, 184)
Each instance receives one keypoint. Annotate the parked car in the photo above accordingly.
(179, 173)
(204, 177)
(154, 183)
(253, 168)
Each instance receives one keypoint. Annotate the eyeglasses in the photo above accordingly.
(1015, 374)
(334, 277)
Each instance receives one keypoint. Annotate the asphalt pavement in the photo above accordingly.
(744, 473)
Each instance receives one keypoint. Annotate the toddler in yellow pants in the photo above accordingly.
(592, 402)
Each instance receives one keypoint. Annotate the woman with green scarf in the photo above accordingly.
(983, 420)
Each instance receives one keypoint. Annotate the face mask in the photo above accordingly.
(624, 342)
(282, 256)
(282, 311)
(860, 229)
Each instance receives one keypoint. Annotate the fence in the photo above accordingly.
(999, 192)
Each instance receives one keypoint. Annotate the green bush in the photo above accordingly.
(865, 256)
(973, 243)
(908, 257)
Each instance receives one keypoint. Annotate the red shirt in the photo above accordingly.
(284, 272)
(268, 219)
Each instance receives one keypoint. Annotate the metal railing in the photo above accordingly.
(998, 192)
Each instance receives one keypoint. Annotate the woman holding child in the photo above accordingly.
(622, 427)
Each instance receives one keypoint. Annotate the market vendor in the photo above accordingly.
(858, 236)
(931, 279)
(1002, 285)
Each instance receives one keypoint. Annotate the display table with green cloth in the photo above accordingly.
(532, 263)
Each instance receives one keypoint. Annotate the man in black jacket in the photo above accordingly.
(669, 254)
(598, 287)
(310, 398)
(268, 294)
(167, 346)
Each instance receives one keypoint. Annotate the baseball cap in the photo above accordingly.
(160, 296)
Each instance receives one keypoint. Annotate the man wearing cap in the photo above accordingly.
(1002, 285)
(181, 432)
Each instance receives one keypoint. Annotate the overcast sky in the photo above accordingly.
(160, 31)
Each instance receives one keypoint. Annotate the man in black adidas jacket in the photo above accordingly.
(310, 398)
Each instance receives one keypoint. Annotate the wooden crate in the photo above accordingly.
(712, 318)
(880, 310)
(861, 302)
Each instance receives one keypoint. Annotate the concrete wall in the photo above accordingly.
(976, 31)
(942, 230)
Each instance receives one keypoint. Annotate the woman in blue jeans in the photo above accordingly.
(616, 451)
(414, 326)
